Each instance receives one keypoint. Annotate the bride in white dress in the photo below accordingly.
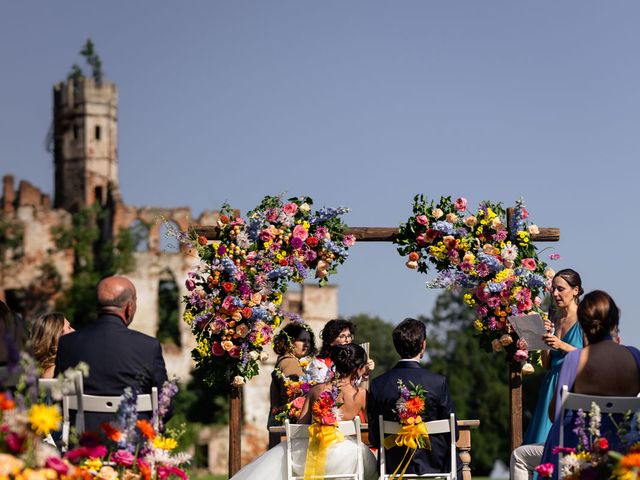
(350, 363)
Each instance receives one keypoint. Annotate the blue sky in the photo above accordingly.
(364, 104)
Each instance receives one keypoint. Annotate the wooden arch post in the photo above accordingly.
(387, 234)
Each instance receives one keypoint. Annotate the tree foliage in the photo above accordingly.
(93, 60)
(96, 255)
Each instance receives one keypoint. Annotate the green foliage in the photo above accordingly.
(11, 240)
(378, 333)
(168, 312)
(200, 403)
(95, 256)
(93, 60)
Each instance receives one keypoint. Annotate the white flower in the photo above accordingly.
(595, 419)
(509, 252)
(304, 208)
(264, 356)
(253, 355)
(238, 381)
(533, 229)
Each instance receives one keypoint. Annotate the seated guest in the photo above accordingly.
(292, 343)
(604, 367)
(337, 332)
(409, 340)
(117, 356)
(45, 334)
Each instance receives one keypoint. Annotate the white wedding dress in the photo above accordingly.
(341, 458)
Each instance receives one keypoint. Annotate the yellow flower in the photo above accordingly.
(188, 317)
(278, 299)
(92, 464)
(44, 418)
(203, 347)
(503, 275)
(468, 299)
(478, 325)
(306, 225)
(491, 214)
(165, 443)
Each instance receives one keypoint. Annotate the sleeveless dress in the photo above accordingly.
(607, 428)
(540, 424)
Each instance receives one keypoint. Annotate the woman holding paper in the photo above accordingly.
(564, 334)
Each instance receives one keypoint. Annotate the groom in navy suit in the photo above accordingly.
(409, 339)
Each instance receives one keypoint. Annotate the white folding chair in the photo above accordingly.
(300, 432)
(434, 427)
(147, 402)
(65, 388)
(576, 401)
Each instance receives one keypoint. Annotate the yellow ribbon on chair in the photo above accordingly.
(412, 435)
(320, 438)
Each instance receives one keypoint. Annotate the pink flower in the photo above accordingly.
(217, 349)
(124, 458)
(421, 240)
(272, 215)
(300, 232)
(482, 311)
(521, 355)
(14, 442)
(266, 235)
(57, 464)
(460, 204)
(97, 451)
(545, 470)
(554, 256)
(529, 263)
(235, 352)
(227, 303)
(525, 213)
(290, 208)
(349, 240)
(422, 220)
(322, 232)
(165, 471)
(190, 284)
(563, 450)
(522, 344)
(296, 243)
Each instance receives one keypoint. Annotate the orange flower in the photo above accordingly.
(145, 470)
(6, 403)
(146, 428)
(630, 461)
(111, 432)
(202, 240)
(228, 286)
(415, 405)
(414, 256)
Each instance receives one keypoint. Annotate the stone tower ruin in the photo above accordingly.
(85, 135)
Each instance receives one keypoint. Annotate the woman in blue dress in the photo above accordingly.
(565, 335)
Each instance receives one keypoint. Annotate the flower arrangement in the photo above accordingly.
(326, 408)
(235, 292)
(593, 459)
(135, 449)
(413, 434)
(497, 263)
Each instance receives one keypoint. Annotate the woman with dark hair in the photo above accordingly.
(341, 456)
(45, 334)
(603, 367)
(564, 335)
(294, 342)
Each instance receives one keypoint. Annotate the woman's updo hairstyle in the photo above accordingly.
(598, 315)
(283, 341)
(572, 278)
(348, 358)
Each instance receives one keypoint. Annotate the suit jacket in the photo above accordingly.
(117, 357)
(382, 398)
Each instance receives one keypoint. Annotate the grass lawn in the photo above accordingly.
(224, 477)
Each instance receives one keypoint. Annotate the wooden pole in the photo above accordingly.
(387, 234)
(515, 386)
(235, 414)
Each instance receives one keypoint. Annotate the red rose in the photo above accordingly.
(216, 349)
(224, 219)
(228, 286)
(312, 242)
(284, 262)
(247, 312)
(603, 444)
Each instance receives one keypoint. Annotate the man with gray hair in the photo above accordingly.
(117, 356)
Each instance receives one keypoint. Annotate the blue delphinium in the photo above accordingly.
(444, 227)
(327, 213)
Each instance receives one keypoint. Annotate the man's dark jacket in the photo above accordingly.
(117, 357)
(382, 399)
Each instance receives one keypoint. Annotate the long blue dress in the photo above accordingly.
(540, 424)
